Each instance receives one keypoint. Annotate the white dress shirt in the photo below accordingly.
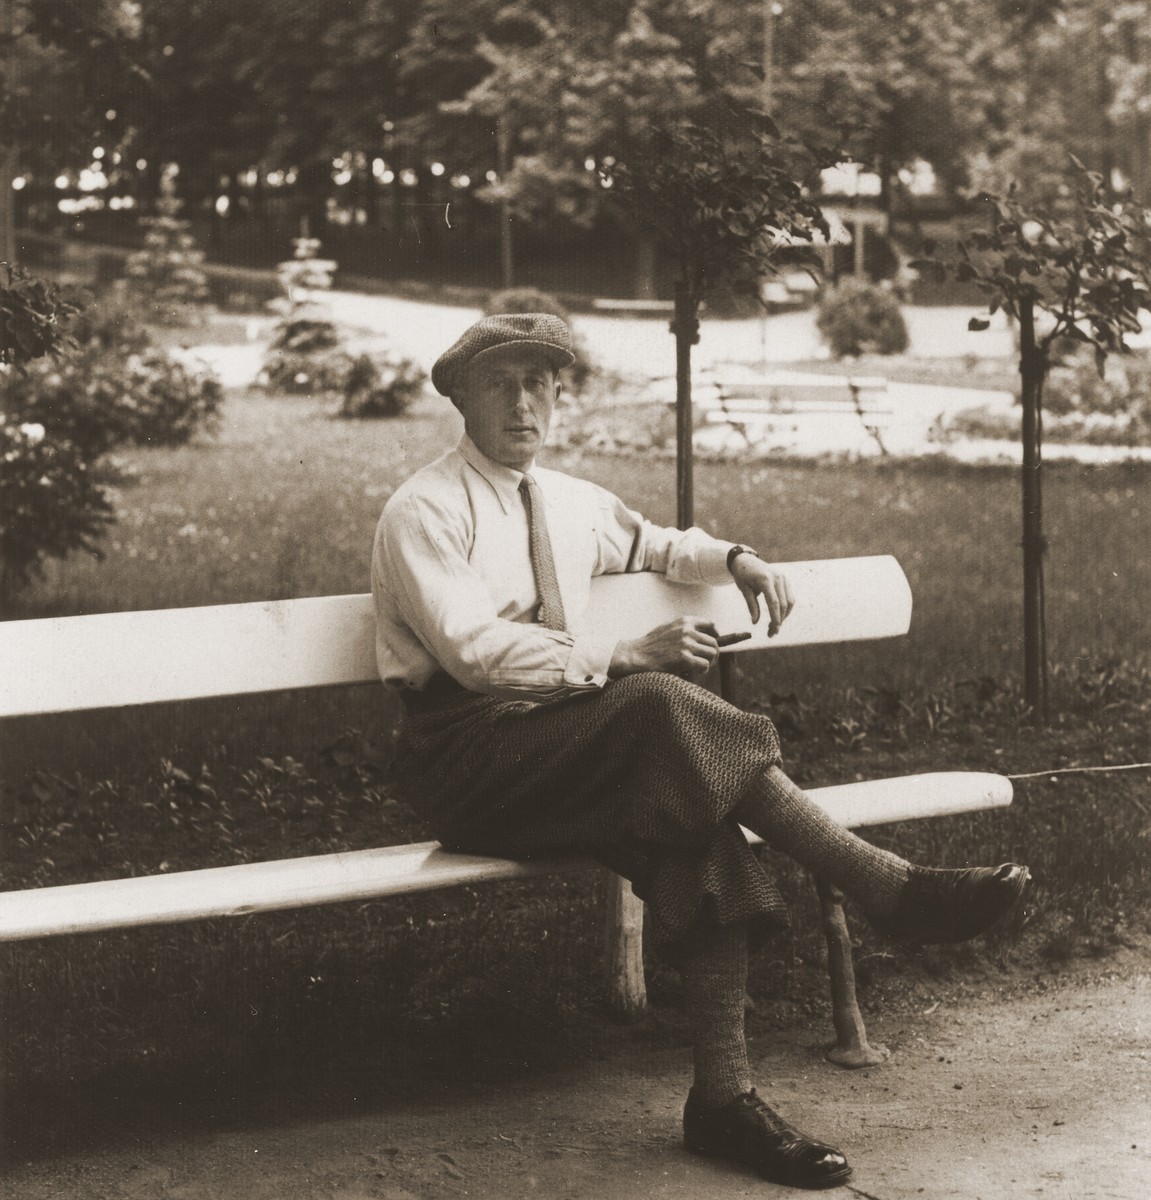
(453, 585)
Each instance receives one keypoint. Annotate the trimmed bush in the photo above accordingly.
(532, 300)
(856, 317)
(380, 388)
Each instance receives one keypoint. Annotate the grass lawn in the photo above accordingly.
(284, 502)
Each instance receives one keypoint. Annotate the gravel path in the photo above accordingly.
(1035, 1097)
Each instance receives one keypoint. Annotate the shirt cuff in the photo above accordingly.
(588, 663)
(713, 562)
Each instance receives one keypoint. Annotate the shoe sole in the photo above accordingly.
(786, 1180)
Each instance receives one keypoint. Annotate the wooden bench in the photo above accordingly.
(773, 405)
(87, 662)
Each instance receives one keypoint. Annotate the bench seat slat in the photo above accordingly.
(66, 664)
(395, 870)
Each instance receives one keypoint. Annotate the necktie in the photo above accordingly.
(551, 613)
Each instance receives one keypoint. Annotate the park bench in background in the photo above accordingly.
(768, 405)
(66, 664)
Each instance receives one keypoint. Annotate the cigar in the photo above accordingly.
(730, 639)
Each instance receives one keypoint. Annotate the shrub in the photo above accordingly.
(53, 500)
(1122, 393)
(373, 388)
(856, 317)
(168, 271)
(305, 335)
(166, 403)
(33, 314)
(304, 357)
(532, 300)
(305, 373)
(99, 399)
(112, 322)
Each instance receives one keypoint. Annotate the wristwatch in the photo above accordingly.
(736, 551)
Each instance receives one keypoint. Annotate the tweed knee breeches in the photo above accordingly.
(641, 776)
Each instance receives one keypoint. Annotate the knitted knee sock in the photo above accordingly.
(713, 969)
(789, 821)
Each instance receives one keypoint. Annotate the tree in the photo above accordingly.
(584, 93)
(1080, 275)
(1068, 76)
(167, 272)
(65, 71)
(723, 196)
(648, 114)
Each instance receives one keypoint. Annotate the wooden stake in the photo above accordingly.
(1031, 368)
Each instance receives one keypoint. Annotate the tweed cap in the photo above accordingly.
(539, 331)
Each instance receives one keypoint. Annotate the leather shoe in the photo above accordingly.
(748, 1131)
(952, 906)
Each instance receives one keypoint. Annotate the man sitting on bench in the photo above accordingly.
(528, 735)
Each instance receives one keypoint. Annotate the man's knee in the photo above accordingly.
(657, 696)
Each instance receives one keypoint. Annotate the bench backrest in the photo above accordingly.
(63, 664)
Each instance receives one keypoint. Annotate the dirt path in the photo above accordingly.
(1038, 1096)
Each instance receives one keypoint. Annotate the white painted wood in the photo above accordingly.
(252, 887)
(395, 870)
(64, 664)
(910, 797)
(837, 600)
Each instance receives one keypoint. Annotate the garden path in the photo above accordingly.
(641, 349)
(1033, 1096)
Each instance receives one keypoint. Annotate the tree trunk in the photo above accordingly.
(1032, 370)
(7, 204)
(645, 259)
(503, 166)
(685, 326)
(8, 151)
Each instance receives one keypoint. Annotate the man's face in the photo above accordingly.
(507, 402)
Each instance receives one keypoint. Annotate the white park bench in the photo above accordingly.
(758, 407)
(64, 664)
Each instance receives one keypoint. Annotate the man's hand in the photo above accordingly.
(687, 646)
(755, 578)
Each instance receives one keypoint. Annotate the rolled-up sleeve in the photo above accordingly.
(629, 542)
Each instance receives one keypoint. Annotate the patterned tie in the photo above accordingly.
(551, 613)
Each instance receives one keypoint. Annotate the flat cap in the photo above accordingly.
(540, 331)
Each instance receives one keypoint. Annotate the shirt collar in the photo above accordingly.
(504, 481)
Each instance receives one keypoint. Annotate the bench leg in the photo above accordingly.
(623, 945)
(851, 1047)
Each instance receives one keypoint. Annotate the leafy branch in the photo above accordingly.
(724, 197)
(1088, 270)
(33, 316)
